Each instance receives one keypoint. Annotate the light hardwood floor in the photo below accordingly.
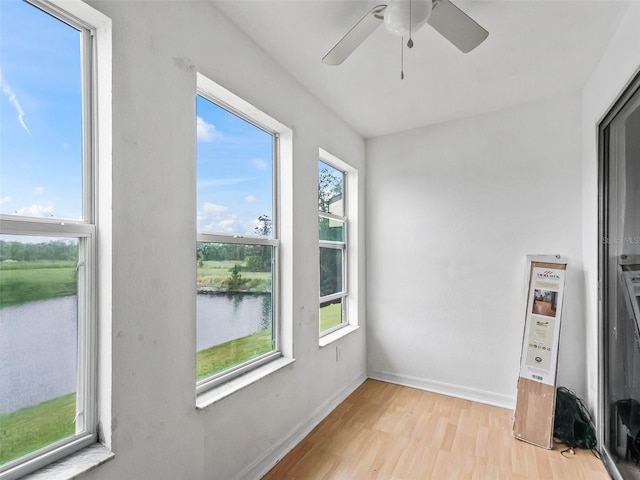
(389, 432)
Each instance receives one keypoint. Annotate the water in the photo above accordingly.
(38, 344)
(38, 341)
(224, 317)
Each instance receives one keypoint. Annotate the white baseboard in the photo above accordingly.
(266, 462)
(473, 394)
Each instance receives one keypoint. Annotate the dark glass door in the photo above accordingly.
(620, 283)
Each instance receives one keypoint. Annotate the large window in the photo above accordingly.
(237, 241)
(48, 211)
(332, 227)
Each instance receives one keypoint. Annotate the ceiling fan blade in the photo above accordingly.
(456, 26)
(355, 36)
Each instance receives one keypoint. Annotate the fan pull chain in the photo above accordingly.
(410, 42)
(402, 58)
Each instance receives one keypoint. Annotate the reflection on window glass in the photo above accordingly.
(38, 344)
(331, 230)
(40, 114)
(620, 251)
(330, 271)
(234, 305)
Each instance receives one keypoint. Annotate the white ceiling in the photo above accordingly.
(535, 49)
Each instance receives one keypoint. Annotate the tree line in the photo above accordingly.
(29, 252)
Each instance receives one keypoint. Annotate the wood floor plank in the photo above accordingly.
(390, 432)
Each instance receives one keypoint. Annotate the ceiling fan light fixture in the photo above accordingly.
(401, 17)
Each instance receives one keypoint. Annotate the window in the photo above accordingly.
(48, 232)
(332, 231)
(237, 251)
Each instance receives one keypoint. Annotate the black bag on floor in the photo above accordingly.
(572, 425)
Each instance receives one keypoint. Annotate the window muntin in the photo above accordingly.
(237, 249)
(47, 160)
(332, 233)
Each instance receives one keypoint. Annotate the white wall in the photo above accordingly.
(614, 71)
(452, 212)
(157, 431)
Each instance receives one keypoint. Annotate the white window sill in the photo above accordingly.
(337, 335)
(205, 399)
(74, 465)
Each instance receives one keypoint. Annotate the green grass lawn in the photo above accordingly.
(330, 316)
(23, 282)
(213, 273)
(29, 429)
(220, 357)
(32, 428)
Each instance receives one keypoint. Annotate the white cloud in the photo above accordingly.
(39, 190)
(219, 182)
(8, 91)
(206, 132)
(218, 224)
(4, 199)
(213, 209)
(217, 218)
(256, 223)
(259, 163)
(227, 224)
(36, 211)
(251, 199)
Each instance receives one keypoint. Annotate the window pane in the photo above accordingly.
(234, 305)
(331, 230)
(330, 271)
(330, 189)
(40, 114)
(330, 314)
(235, 173)
(38, 344)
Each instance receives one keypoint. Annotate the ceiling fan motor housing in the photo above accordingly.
(403, 17)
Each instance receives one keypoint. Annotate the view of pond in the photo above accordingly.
(37, 352)
(38, 341)
(224, 317)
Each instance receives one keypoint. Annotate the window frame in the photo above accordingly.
(211, 91)
(95, 54)
(343, 246)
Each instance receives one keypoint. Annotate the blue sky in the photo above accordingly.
(41, 143)
(40, 108)
(234, 171)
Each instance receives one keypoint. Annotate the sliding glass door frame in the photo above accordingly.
(607, 190)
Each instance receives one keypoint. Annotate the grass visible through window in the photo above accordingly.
(24, 281)
(234, 352)
(29, 429)
(330, 316)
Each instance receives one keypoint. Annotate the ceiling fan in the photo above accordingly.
(404, 17)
